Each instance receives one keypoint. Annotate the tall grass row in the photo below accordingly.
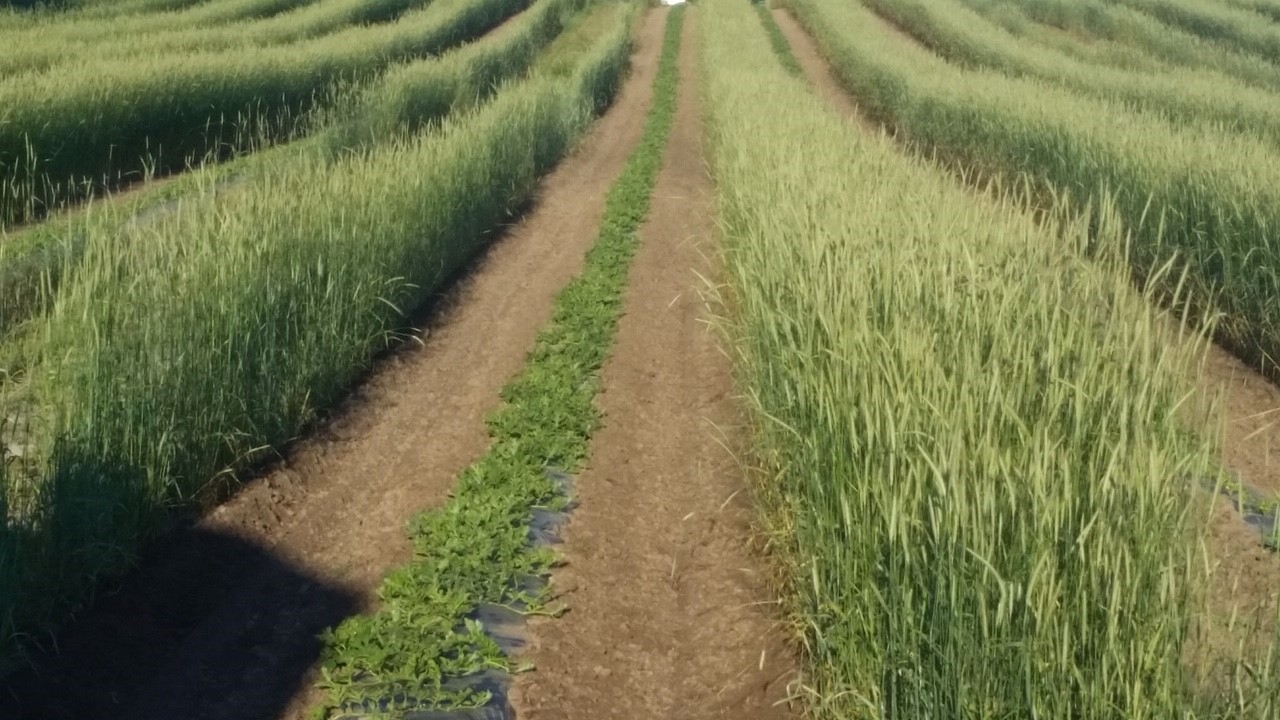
(419, 93)
(73, 26)
(403, 101)
(1190, 195)
(1245, 30)
(1266, 8)
(47, 48)
(1095, 20)
(117, 8)
(188, 348)
(66, 139)
(965, 428)
(1182, 96)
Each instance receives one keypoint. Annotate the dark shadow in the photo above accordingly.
(209, 626)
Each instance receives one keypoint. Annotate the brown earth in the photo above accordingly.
(669, 615)
(819, 72)
(1244, 574)
(220, 620)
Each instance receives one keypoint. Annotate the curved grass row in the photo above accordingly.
(417, 94)
(967, 431)
(1127, 27)
(287, 288)
(118, 119)
(74, 26)
(403, 101)
(1182, 96)
(1195, 196)
(49, 49)
(1245, 30)
(1266, 8)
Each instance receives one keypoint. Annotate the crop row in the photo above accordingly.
(1124, 29)
(965, 426)
(477, 548)
(73, 24)
(118, 118)
(51, 48)
(402, 101)
(1181, 96)
(1192, 195)
(1243, 29)
(289, 283)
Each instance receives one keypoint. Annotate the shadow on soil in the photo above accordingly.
(209, 627)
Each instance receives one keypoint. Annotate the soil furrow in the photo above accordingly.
(220, 621)
(669, 616)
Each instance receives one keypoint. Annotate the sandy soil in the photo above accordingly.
(220, 620)
(670, 616)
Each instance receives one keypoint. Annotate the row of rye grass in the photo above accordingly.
(42, 48)
(77, 26)
(74, 25)
(186, 348)
(1242, 29)
(403, 100)
(64, 134)
(1097, 20)
(1208, 200)
(966, 428)
(1267, 8)
(116, 8)
(1182, 95)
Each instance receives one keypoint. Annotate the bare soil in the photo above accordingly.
(220, 620)
(819, 72)
(670, 616)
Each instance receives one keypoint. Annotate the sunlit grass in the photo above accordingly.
(61, 41)
(271, 298)
(1119, 25)
(1200, 197)
(95, 122)
(1182, 96)
(968, 431)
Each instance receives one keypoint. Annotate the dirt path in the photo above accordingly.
(1246, 573)
(818, 72)
(667, 617)
(221, 621)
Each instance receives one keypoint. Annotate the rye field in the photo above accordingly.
(847, 359)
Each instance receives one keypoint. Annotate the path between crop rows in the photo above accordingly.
(220, 623)
(668, 618)
(1248, 573)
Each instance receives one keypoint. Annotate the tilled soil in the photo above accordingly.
(220, 620)
(669, 615)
